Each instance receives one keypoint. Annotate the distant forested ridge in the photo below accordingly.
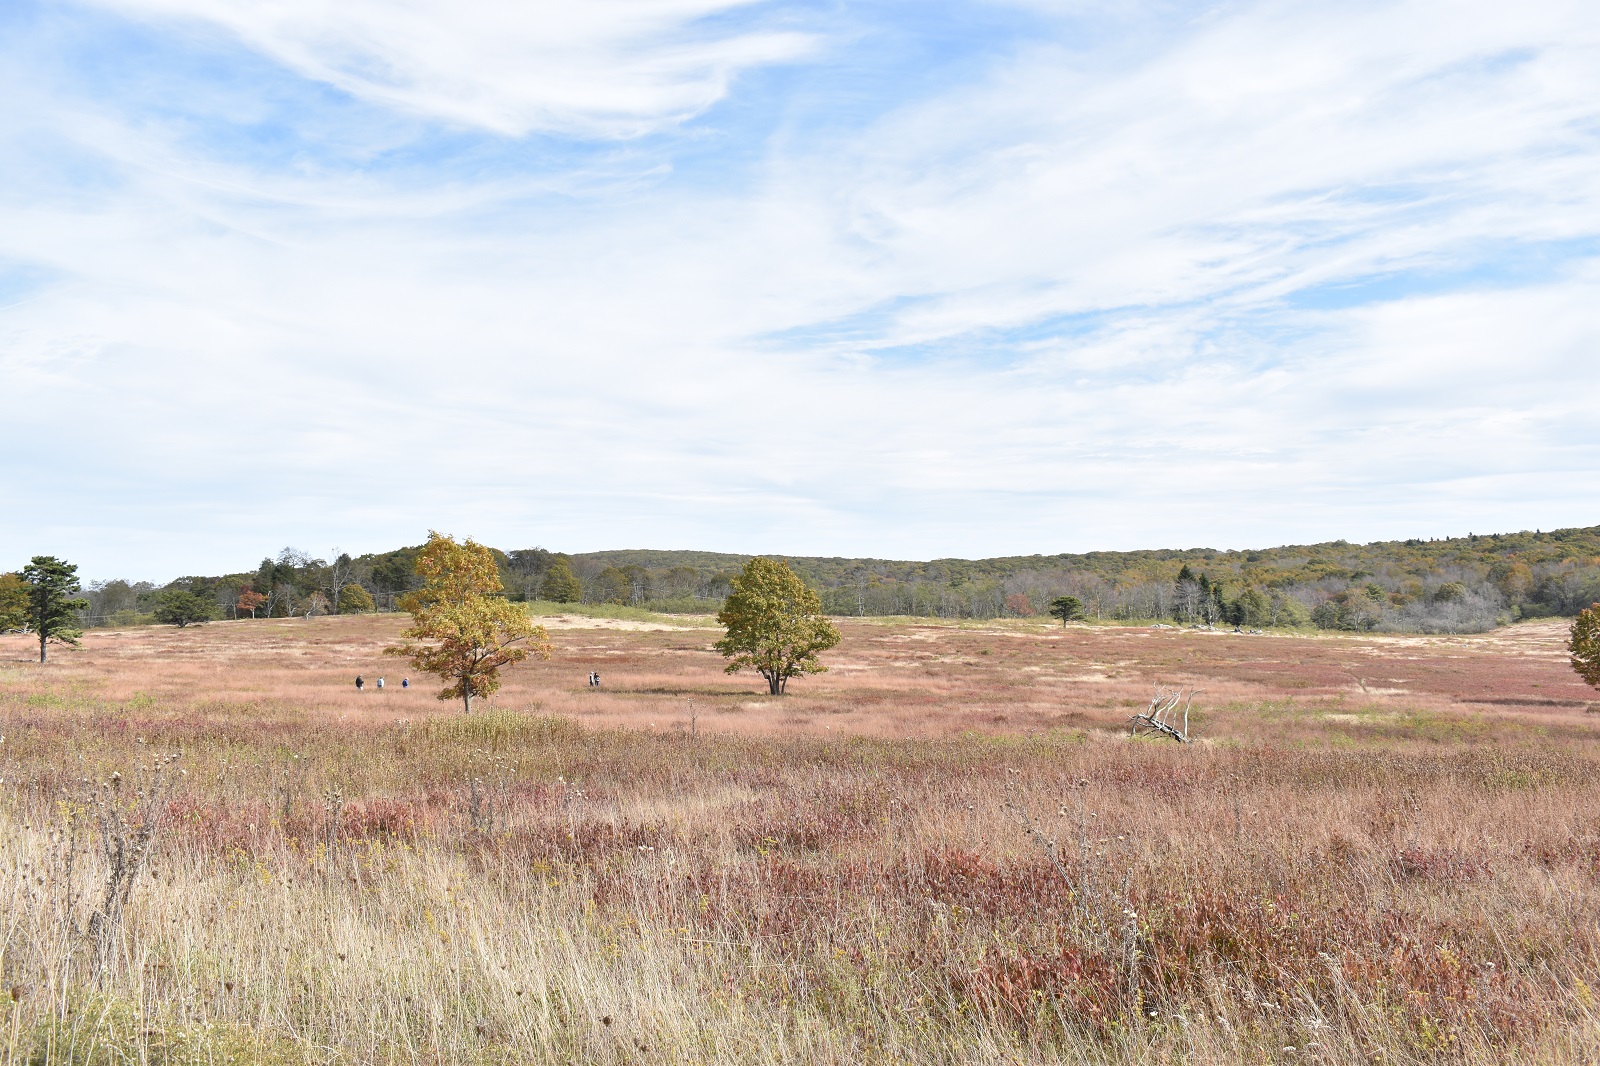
(1462, 584)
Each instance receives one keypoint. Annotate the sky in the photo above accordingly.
(893, 279)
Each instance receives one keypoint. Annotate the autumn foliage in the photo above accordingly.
(249, 600)
(463, 629)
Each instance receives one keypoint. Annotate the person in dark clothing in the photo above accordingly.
(360, 684)
(405, 682)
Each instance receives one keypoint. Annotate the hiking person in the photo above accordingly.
(405, 682)
(360, 684)
(380, 682)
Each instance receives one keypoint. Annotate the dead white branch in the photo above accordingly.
(1157, 720)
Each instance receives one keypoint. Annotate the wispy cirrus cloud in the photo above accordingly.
(969, 281)
(601, 68)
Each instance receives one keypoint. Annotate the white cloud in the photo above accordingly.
(600, 67)
(263, 355)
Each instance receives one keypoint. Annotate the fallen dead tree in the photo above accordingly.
(1157, 718)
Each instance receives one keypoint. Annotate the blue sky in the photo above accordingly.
(908, 280)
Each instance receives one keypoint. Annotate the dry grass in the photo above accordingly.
(1357, 873)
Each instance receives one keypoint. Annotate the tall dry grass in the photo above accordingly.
(1325, 879)
(512, 888)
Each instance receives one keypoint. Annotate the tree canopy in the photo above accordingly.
(353, 599)
(472, 630)
(1066, 608)
(560, 584)
(775, 624)
(1584, 645)
(249, 599)
(180, 607)
(52, 604)
(13, 602)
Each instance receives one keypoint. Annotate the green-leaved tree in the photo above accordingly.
(180, 607)
(775, 624)
(1066, 608)
(1584, 644)
(613, 586)
(353, 599)
(560, 584)
(53, 605)
(1252, 607)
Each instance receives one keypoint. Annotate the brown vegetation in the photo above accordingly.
(1380, 850)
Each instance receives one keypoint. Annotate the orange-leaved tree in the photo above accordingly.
(249, 600)
(1584, 644)
(471, 629)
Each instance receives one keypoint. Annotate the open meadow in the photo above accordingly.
(946, 849)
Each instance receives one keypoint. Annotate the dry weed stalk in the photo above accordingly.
(1080, 890)
(123, 823)
(332, 817)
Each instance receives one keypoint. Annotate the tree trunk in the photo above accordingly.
(466, 699)
(42, 639)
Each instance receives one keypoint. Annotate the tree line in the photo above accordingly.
(1461, 584)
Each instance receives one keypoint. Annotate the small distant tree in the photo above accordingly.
(52, 604)
(395, 572)
(180, 607)
(471, 629)
(1187, 593)
(775, 624)
(1584, 645)
(560, 584)
(613, 586)
(336, 577)
(1251, 608)
(353, 599)
(13, 603)
(1066, 608)
(249, 599)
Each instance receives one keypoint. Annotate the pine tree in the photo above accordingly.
(1066, 608)
(52, 606)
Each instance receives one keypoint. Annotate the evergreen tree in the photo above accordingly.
(1066, 608)
(52, 606)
